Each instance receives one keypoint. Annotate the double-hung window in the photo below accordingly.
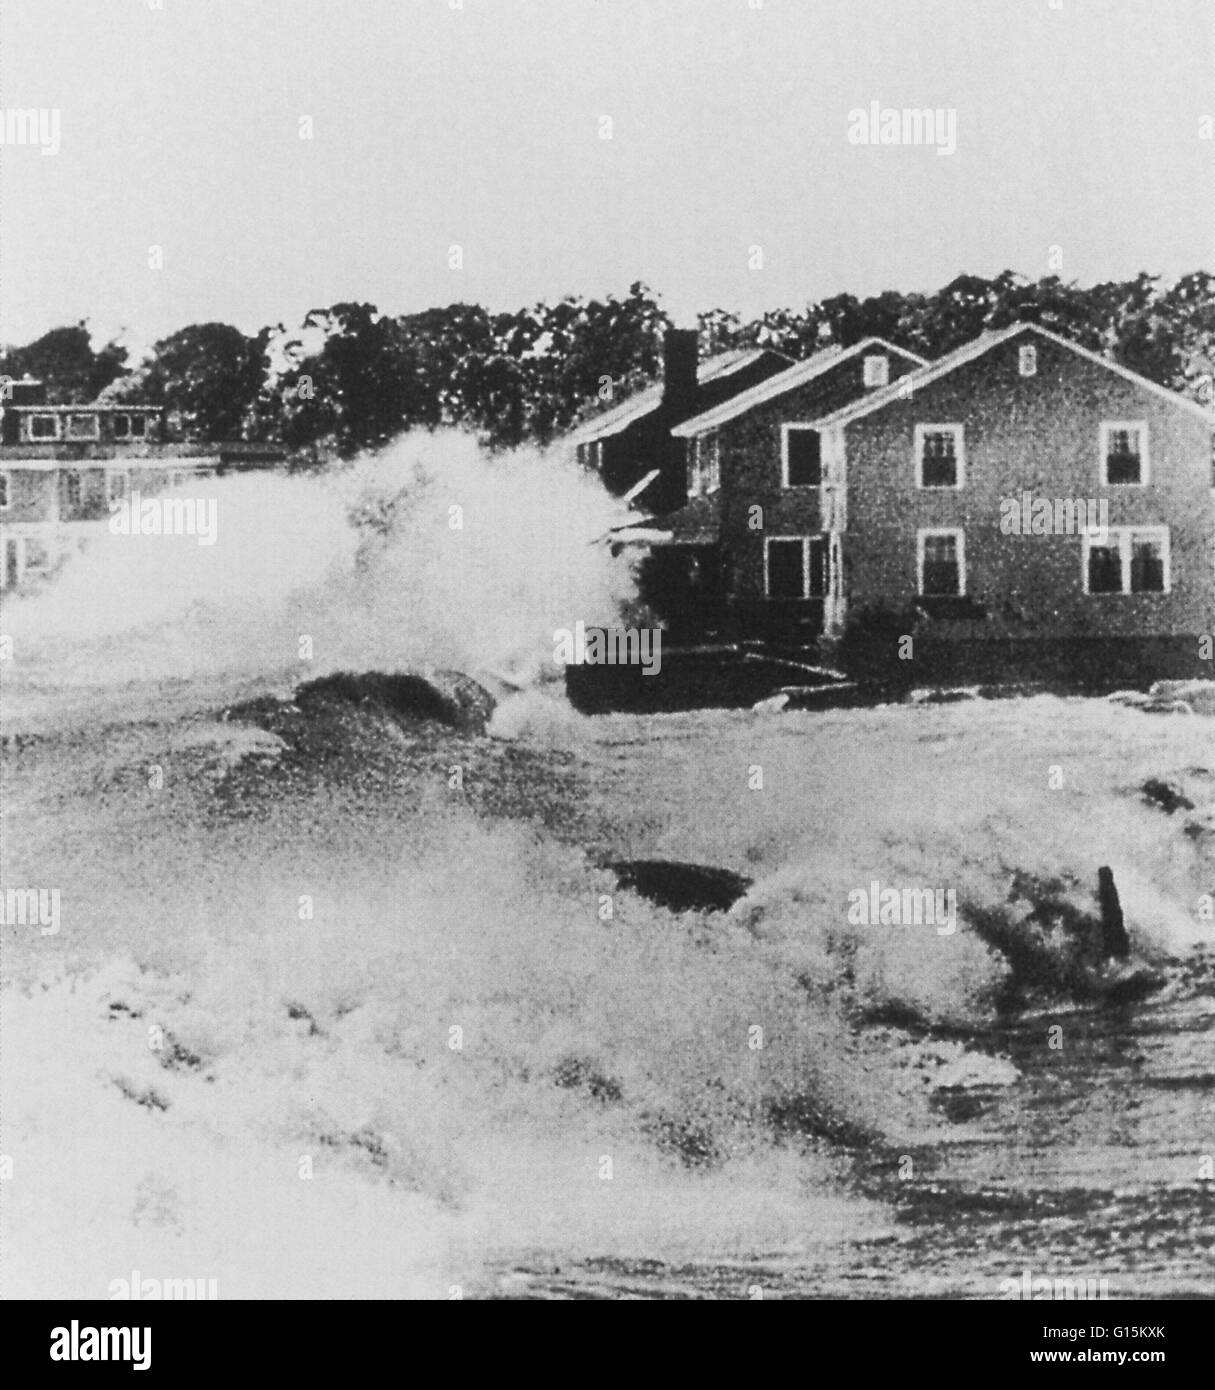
(940, 456)
(941, 563)
(1127, 560)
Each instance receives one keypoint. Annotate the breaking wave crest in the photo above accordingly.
(430, 552)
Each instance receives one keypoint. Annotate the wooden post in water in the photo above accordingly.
(1114, 941)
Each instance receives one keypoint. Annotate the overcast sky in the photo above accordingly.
(481, 126)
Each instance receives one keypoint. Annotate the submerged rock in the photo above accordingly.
(1167, 795)
(449, 697)
(681, 887)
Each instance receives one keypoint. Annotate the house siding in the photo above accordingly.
(750, 448)
(1040, 435)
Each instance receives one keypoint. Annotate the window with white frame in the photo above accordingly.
(876, 370)
(941, 563)
(117, 485)
(940, 456)
(706, 464)
(130, 426)
(1124, 453)
(801, 456)
(5, 490)
(83, 427)
(1127, 560)
(44, 426)
(1028, 360)
(795, 567)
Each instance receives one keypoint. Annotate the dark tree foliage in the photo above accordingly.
(65, 360)
(353, 379)
(209, 375)
(514, 377)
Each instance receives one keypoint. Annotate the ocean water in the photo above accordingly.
(1088, 1169)
(584, 1038)
(507, 1075)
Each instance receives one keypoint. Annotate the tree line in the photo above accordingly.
(350, 378)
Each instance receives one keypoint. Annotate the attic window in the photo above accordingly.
(1029, 361)
(877, 370)
(1124, 453)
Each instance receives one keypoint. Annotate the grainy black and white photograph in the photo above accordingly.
(607, 656)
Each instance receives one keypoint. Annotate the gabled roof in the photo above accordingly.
(797, 375)
(977, 347)
(723, 363)
(641, 403)
(610, 422)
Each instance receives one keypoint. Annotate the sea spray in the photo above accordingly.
(431, 552)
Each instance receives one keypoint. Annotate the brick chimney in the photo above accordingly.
(680, 352)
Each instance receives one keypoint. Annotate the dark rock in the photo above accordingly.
(1165, 795)
(681, 887)
(448, 697)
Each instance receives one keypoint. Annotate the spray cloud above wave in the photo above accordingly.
(431, 552)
